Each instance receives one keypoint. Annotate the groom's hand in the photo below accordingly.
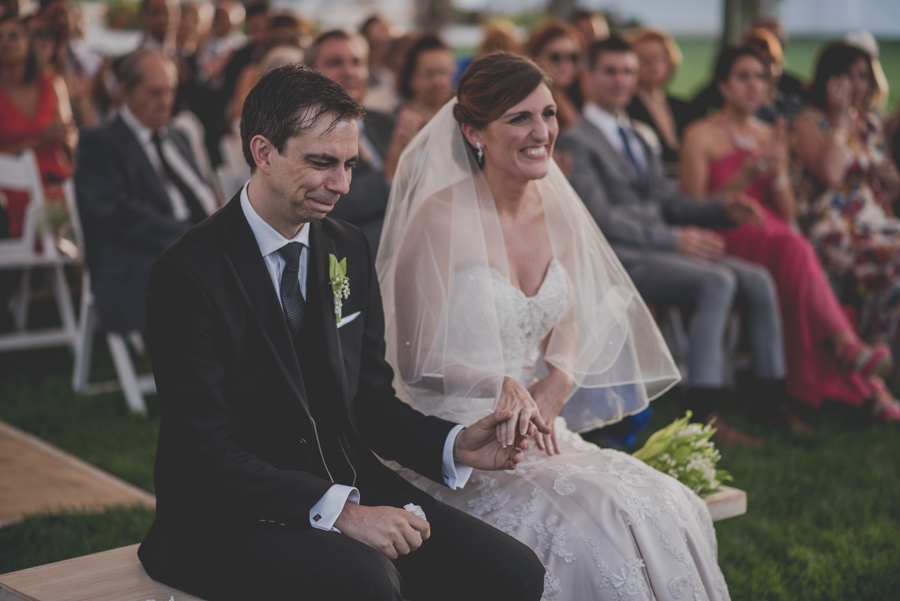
(477, 446)
(392, 531)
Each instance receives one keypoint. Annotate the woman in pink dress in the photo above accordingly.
(732, 150)
(34, 114)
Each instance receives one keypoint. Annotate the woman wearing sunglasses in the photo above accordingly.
(558, 49)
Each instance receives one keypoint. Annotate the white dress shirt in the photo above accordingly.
(324, 513)
(205, 196)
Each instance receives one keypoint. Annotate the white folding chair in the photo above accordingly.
(20, 172)
(133, 386)
(189, 124)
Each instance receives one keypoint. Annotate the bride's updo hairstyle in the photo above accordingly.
(492, 85)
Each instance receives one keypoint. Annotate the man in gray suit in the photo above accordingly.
(138, 190)
(661, 238)
(344, 58)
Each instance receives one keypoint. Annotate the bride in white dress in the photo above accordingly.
(500, 291)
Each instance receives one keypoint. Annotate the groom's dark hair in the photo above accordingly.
(289, 100)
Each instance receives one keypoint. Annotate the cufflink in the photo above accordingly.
(317, 517)
(445, 476)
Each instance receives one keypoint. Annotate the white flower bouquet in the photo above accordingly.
(684, 451)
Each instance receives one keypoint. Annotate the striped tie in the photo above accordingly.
(291, 299)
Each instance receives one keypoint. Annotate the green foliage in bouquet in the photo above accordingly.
(685, 452)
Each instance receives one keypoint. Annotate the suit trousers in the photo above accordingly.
(710, 289)
(464, 558)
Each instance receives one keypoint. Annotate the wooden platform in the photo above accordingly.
(727, 503)
(37, 477)
(117, 575)
(114, 575)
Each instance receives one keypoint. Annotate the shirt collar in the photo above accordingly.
(267, 237)
(606, 122)
(142, 133)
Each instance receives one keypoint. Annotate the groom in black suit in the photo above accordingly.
(275, 396)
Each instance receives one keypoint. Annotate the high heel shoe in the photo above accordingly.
(888, 409)
(867, 360)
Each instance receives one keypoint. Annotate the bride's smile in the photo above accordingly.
(519, 144)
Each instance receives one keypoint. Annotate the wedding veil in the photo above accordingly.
(443, 337)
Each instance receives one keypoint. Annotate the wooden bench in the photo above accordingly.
(117, 575)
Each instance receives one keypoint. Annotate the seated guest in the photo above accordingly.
(160, 20)
(658, 57)
(734, 151)
(844, 184)
(341, 56)
(215, 51)
(592, 24)
(382, 84)
(558, 49)
(284, 31)
(785, 94)
(499, 35)
(426, 78)
(661, 238)
(34, 114)
(267, 478)
(215, 116)
(138, 190)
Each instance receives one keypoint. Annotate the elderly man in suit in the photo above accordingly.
(275, 395)
(344, 57)
(138, 190)
(662, 236)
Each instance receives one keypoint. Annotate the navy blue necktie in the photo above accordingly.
(626, 142)
(291, 299)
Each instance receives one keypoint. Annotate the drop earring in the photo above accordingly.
(479, 153)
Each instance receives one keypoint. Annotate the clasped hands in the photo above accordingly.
(520, 413)
(495, 442)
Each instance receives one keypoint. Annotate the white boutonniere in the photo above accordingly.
(340, 283)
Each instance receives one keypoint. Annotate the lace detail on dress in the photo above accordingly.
(629, 581)
(489, 500)
(550, 535)
(523, 321)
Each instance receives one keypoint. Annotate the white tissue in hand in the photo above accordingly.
(415, 510)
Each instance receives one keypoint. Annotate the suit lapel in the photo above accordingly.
(249, 268)
(321, 246)
(133, 151)
(609, 153)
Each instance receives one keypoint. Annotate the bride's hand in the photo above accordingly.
(525, 412)
(550, 393)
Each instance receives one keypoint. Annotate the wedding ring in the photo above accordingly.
(761, 164)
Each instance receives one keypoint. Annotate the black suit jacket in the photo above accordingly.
(127, 219)
(366, 202)
(237, 444)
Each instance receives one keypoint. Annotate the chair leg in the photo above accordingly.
(85, 340)
(64, 304)
(125, 369)
(20, 310)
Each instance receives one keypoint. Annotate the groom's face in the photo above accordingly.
(313, 170)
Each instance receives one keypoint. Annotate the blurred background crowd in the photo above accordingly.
(816, 155)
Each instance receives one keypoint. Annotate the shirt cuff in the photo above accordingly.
(325, 513)
(455, 474)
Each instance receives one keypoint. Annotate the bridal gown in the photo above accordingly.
(605, 525)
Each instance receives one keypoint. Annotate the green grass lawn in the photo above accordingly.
(823, 520)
